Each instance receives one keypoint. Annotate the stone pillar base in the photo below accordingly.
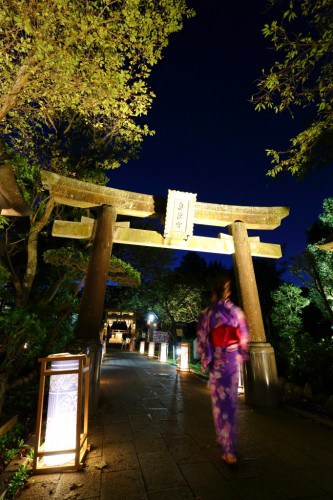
(260, 376)
(94, 349)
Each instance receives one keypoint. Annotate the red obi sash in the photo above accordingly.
(224, 336)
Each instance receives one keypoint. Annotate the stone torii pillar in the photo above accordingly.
(260, 373)
(92, 301)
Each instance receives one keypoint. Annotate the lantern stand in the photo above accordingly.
(183, 360)
(163, 354)
(142, 347)
(241, 380)
(151, 349)
(74, 376)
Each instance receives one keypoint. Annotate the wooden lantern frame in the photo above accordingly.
(81, 424)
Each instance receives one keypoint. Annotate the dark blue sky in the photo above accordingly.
(209, 140)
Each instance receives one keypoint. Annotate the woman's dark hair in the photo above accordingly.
(221, 287)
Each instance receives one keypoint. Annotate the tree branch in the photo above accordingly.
(8, 101)
(32, 254)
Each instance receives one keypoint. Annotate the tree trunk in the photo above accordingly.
(52, 291)
(23, 297)
(93, 295)
(3, 387)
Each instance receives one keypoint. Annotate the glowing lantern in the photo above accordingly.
(151, 349)
(66, 432)
(163, 356)
(142, 347)
(183, 361)
(241, 380)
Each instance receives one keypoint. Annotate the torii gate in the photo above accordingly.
(180, 212)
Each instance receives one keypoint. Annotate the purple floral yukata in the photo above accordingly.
(223, 364)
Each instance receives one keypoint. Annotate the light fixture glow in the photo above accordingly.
(240, 379)
(163, 357)
(61, 413)
(183, 360)
(151, 349)
(66, 435)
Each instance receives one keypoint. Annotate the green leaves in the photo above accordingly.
(67, 60)
(327, 216)
(76, 263)
(21, 332)
(314, 267)
(302, 77)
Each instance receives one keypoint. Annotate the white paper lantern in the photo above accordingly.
(66, 435)
(184, 357)
(163, 357)
(61, 412)
(151, 350)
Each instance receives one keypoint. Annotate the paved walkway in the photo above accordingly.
(154, 431)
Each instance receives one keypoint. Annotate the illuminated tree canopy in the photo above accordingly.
(69, 64)
(314, 267)
(302, 77)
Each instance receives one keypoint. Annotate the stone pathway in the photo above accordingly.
(154, 431)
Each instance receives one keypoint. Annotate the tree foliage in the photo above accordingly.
(71, 68)
(327, 216)
(288, 304)
(314, 266)
(302, 77)
(171, 300)
(76, 262)
(21, 333)
(300, 357)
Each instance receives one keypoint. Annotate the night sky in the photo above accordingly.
(209, 140)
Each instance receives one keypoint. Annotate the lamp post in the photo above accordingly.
(150, 323)
(66, 431)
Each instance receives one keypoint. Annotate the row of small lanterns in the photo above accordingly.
(183, 353)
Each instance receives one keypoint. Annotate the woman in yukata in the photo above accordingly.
(223, 343)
